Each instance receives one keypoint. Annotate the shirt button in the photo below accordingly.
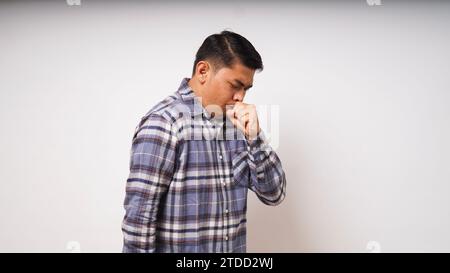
(223, 184)
(226, 238)
(248, 148)
(220, 156)
(226, 210)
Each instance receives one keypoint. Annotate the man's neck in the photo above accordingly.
(197, 90)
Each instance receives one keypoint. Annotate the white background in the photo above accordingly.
(363, 97)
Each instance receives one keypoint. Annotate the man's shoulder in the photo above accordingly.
(165, 108)
(169, 111)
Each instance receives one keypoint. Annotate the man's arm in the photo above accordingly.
(266, 176)
(151, 168)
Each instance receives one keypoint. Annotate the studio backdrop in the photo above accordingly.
(354, 96)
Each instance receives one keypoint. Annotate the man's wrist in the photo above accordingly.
(256, 141)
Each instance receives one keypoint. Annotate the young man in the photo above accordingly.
(195, 155)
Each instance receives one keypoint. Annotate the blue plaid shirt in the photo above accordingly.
(189, 178)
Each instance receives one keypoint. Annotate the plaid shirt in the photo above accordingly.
(189, 178)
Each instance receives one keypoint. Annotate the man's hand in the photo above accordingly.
(245, 118)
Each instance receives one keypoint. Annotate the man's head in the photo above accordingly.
(223, 69)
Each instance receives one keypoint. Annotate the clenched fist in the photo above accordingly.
(245, 118)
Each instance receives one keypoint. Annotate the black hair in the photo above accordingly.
(227, 48)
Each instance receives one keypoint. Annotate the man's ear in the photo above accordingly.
(203, 71)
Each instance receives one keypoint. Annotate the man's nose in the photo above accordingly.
(239, 96)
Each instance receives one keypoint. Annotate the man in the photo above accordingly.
(190, 171)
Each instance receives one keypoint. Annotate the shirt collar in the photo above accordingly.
(192, 101)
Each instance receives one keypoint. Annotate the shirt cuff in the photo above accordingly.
(257, 144)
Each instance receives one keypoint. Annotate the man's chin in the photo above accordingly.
(224, 109)
(218, 114)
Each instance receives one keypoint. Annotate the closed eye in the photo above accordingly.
(239, 85)
(234, 86)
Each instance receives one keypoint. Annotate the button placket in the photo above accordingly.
(221, 149)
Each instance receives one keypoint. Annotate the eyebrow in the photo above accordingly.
(240, 83)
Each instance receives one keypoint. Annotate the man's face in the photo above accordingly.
(228, 86)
